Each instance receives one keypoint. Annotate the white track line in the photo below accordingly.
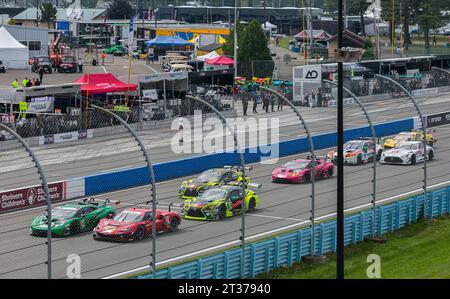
(225, 245)
(151, 68)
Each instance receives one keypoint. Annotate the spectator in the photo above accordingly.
(103, 57)
(55, 65)
(41, 74)
(15, 83)
(244, 105)
(266, 102)
(38, 83)
(29, 83)
(280, 104)
(80, 65)
(272, 102)
(33, 82)
(24, 82)
(255, 104)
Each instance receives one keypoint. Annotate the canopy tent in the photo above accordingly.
(210, 55)
(318, 35)
(168, 41)
(220, 60)
(13, 54)
(269, 26)
(103, 83)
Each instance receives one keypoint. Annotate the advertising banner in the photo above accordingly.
(437, 119)
(39, 105)
(31, 196)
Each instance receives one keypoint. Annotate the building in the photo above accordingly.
(350, 39)
(29, 16)
(36, 39)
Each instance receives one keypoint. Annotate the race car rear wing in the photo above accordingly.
(96, 202)
(238, 167)
(249, 185)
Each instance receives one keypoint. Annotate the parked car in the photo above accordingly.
(117, 50)
(68, 64)
(2, 67)
(41, 61)
(318, 49)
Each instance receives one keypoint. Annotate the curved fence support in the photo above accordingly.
(313, 158)
(241, 160)
(422, 121)
(151, 176)
(47, 195)
(374, 156)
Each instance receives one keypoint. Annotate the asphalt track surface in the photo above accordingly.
(23, 256)
(87, 157)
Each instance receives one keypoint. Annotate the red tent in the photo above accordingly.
(220, 60)
(103, 83)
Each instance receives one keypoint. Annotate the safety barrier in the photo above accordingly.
(132, 177)
(287, 249)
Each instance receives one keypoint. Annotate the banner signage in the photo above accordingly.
(32, 196)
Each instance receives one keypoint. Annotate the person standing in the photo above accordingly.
(24, 82)
(103, 57)
(38, 83)
(56, 65)
(245, 105)
(280, 104)
(33, 82)
(15, 84)
(266, 102)
(41, 74)
(255, 103)
(272, 102)
(80, 65)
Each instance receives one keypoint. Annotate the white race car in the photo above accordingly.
(357, 152)
(409, 152)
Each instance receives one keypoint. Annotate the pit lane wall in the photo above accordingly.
(284, 250)
(132, 177)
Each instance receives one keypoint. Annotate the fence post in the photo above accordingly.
(361, 226)
(276, 253)
(398, 208)
(252, 260)
(299, 245)
(226, 256)
(44, 184)
(380, 220)
(199, 268)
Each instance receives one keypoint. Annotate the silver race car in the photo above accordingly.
(408, 153)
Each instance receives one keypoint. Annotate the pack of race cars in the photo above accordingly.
(216, 193)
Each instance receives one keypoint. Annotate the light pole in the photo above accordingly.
(263, 3)
(235, 46)
(340, 149)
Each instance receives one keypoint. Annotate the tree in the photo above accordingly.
(354, 7)
(12, 22)
(119, 9)
(48, 13)
(252, 45)
(89, 3)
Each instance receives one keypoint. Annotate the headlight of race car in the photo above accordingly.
(123, 230)
(406, 155)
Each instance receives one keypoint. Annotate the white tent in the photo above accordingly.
(13, 54)
(210, 55)
(269, 26)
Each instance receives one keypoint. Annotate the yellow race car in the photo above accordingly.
(417, 135)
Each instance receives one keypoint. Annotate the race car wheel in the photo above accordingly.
(413, 159)
(74, 228)
(430, 156)
(359, 160)
(330, 172)
(140, 233)
(174, 224)
(251, 205)
(222, 212)
(307, 177)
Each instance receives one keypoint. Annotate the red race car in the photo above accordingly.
(135, 224)
(299, 171)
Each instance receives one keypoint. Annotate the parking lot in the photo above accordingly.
(118, 66)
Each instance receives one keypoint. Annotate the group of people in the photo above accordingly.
(256, 95)
(26, 82)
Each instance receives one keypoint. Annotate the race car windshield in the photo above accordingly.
(407, 147)
(63, 213)
(296, 165)
(209, 176)
(68, 60)
(128, 217)
(352, 146)
(212, 194)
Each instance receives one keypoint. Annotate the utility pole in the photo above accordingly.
(340, 149)
(311, 39)
(235, 46)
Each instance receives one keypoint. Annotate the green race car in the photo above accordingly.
(219, 203)
(117, 50)
(210, 178)
(73, 218)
